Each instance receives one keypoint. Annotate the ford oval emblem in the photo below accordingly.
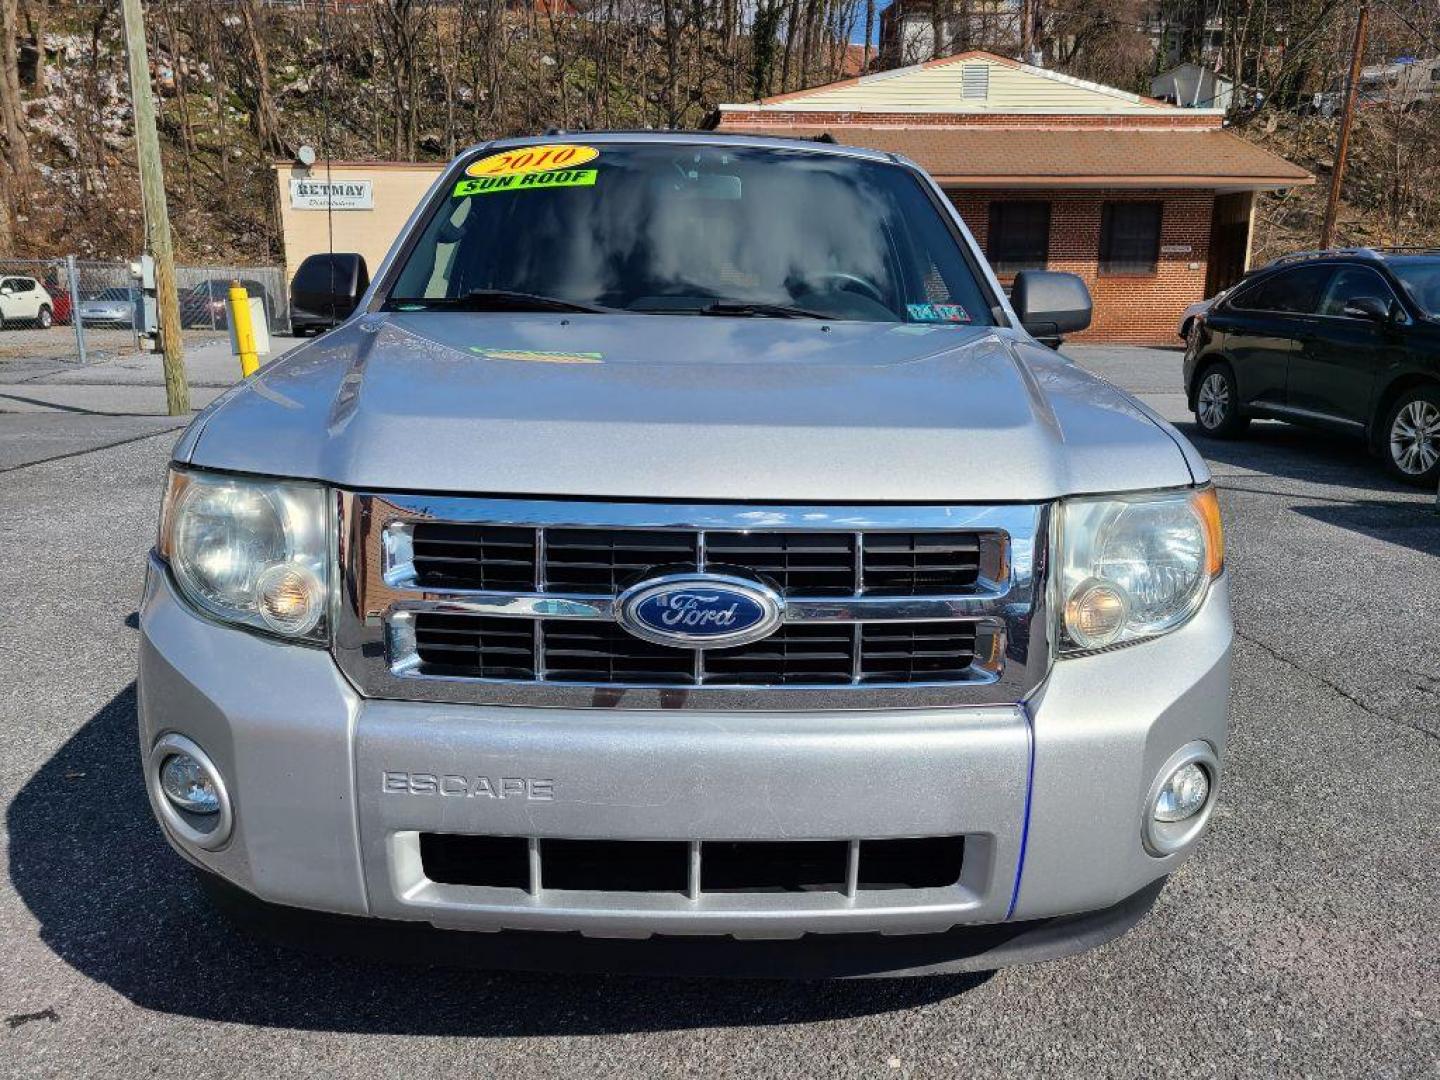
(700, 611)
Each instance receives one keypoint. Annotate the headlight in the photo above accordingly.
(1135, 566)
(251, 552)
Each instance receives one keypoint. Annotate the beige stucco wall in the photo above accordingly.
(397, 189)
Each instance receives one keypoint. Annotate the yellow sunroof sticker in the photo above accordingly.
(532, 159)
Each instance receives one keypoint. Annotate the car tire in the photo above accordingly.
(45, 319)
(1410, 439)
(1217, 403)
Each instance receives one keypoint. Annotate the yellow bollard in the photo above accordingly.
(244, 330)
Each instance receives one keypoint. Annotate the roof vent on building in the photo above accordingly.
(975, 81)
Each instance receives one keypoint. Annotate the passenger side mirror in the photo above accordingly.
(1050, 304)
(1368, 307)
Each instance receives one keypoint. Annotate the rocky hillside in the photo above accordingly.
(241, 83)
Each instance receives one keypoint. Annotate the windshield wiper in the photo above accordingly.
(503, 300)
(772, 311)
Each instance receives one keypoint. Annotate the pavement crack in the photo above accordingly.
(93, 449)
(1344, 693)
(1399, 504)
(18, 1019)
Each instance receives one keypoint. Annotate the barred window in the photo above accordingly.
(1019, 236)
(1130, 237)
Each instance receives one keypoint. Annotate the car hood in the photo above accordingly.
(686, 407)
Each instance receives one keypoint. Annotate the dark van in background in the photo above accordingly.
(325, 291)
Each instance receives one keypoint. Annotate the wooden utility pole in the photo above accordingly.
(1342, 146)
(157, 217)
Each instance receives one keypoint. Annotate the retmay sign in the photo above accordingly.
(332, 195)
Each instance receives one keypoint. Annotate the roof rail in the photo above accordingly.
(1410, 249)
(1306, 256)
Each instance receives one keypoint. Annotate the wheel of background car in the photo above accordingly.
(1217, 403)
(1412, 437)
(46, 320)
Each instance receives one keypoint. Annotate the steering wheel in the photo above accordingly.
(854, 283)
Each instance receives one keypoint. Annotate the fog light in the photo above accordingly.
(290, 599)
(186, 784)
(1095, 613)
(188, 792)
(1180, 799)
(1183, 794)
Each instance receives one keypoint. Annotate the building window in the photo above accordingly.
(1019, 236)
(1130, 237)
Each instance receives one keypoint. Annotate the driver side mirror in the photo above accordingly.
(1368, 307)
(330, 284)
(1050, 303)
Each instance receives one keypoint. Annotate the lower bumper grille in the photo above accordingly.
(577, 651)
(678, 866)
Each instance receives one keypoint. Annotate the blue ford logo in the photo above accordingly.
(700, 611)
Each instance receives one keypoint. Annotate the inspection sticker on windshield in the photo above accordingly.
(486, 185)
(532, 159)
(938, 313)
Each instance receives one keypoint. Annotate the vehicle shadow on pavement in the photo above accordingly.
(1290, 452)
(119, 906)
(1410, 525)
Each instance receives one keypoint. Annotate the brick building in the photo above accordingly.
(1151, 204)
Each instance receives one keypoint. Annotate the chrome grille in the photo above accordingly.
(514, 601)
(473, 556)
(921, 564)
(604, 562)
(797, 564)
(578, 651)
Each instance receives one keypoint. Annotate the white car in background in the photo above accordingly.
(24, 300)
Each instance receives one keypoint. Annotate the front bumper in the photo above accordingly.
(1048, 795)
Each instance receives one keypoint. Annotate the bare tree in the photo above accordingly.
(263, 116)
(16, 172)
(401, 26)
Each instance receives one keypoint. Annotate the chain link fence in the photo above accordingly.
(86, 311)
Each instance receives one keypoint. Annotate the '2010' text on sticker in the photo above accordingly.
(532, 159)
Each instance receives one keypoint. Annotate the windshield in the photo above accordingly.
(112, 294)
(1421, 279)
(686, 229)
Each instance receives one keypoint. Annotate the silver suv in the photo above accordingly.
(687, 540)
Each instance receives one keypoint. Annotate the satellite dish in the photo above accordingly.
(305, 155)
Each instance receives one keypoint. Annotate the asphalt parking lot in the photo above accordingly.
(1302, 940)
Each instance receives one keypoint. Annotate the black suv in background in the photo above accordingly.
(1347, 340)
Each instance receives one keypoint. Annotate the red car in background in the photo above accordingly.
(59, 291)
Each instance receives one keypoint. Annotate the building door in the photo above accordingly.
(1229, 240)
